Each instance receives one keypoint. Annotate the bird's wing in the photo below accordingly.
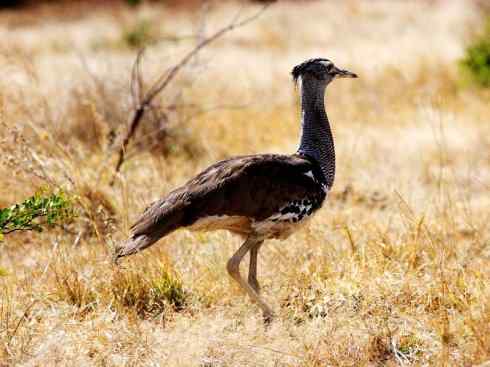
(255, 187)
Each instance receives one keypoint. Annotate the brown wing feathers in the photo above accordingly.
(255, 187)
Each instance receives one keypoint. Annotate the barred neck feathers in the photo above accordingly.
(316, 136)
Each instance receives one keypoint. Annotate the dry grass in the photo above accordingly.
(395, 270)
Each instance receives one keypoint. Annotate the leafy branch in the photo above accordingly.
(36, 212)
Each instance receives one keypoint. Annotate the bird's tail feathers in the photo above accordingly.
(133, 244)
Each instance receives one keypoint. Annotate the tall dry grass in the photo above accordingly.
(395, 268)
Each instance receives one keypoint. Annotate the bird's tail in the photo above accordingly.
(158, 220)
(134, 244)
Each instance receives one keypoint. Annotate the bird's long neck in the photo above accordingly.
(316, 135)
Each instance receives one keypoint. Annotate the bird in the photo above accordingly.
(258, 197)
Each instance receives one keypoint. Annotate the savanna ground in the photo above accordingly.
(394, 270)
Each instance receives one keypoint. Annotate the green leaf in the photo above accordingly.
(38, 211)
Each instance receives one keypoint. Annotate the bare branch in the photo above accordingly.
(161, 84)
(144, 102)
(136, 85)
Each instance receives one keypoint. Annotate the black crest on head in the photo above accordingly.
(310, 65)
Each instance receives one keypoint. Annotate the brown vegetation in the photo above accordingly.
(394, 270)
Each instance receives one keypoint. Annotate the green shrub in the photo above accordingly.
(139, 35)
(476, 62)
(36, 212)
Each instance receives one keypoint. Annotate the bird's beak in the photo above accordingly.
(339, 73)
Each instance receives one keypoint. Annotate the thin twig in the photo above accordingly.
(24, 317)
(160, 85)
(164, 80)
(136, 85)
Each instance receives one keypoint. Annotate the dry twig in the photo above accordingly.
(142, 101)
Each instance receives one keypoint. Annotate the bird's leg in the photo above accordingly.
(252, 270)
(233, 267)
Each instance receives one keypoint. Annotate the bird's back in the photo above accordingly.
(242, 194)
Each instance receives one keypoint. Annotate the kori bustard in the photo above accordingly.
(257, 196)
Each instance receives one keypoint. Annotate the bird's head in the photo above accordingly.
(321, 70)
